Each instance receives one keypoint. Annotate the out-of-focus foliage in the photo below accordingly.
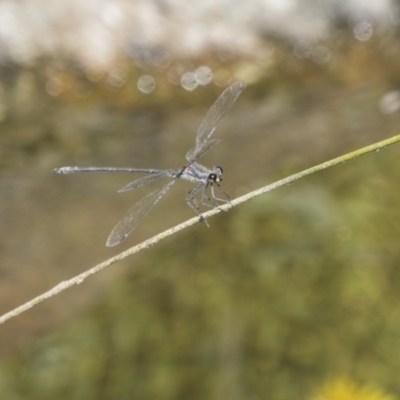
(345, 389)
(270, 300)
(278, 294)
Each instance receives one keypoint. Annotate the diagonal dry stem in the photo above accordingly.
(157, 238)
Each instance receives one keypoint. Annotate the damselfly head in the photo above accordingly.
(216, 175)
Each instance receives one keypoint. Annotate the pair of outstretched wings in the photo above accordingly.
(204, 142)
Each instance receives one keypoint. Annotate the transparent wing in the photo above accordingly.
(207, 146)
(141, 181)
(149, 178)
(135, 214)
(214, 115)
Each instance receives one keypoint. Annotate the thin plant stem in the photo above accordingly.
(157, 238)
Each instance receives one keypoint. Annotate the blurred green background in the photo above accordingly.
(294, 295)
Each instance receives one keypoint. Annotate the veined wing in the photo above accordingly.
(214, 115)
(149, 178)
(135, 214)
